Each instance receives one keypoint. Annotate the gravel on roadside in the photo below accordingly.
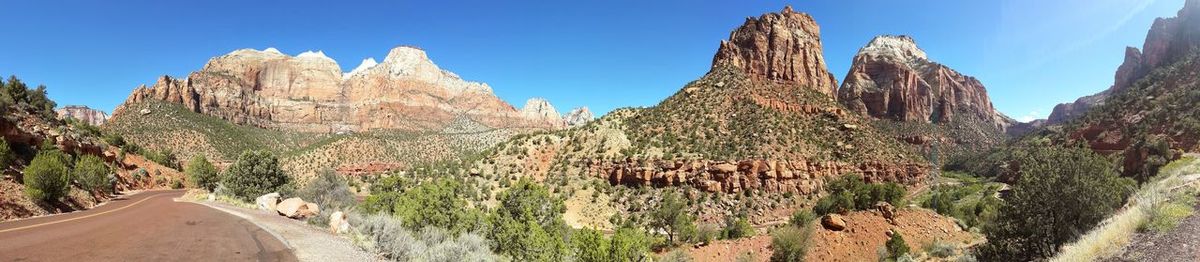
(308, 242)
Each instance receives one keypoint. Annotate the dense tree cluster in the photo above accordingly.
(850, 193)
(14, 92)
(1036, 219)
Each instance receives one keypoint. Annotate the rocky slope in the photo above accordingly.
(1168, 40)
(82, 113)
(741, 128)
(1150, 112)
(782, 47)
(310, 93)
(921, 101)
(27, 132)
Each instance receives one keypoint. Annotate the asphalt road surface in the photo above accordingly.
(149, 226)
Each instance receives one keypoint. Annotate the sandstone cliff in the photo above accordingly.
(892, 78)
(1168, 40)
(82, 113)
(310, 93)
(578, 117)
(539, 110)
(922, 102)
(784, 47)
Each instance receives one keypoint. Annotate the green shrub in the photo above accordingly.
(706, 233)
(1166, 216)
(140, 175)
(678, 255)
(528, 225)
(115, 140)
(791, 242)
(896, 247)
(7, 157)
(254, 174)
(202, 173)
(164, 157)
(329, 190)
(133, 148)
(388, 236)
(802, 217)
(975, 205)
(590, 245)
(629, 244)
(940, 249)
(438, 203)
(93, 174)
(47, 177)
(1029, 227)
(736, 228)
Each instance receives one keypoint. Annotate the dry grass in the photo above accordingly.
(1155, 197)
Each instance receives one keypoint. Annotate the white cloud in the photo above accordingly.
(1033, 115)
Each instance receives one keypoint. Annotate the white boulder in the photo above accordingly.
(267, 202)
(338, 223)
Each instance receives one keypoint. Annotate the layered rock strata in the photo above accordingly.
(310, 93)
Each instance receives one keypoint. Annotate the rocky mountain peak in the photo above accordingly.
(320, 55)
(309, 92)
(578, 117)
(82, 113)
(783, 47)
(902, 48)
(366, 64)
(539, 108)
(892, 78)
(1168, 40)
(407, 55)
(411, 63)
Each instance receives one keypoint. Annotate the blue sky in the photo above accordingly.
(1031, 54)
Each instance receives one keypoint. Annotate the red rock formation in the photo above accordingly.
(1168, 40)
(783, 47)
(769, 176)
(309, 93)
(891, 78)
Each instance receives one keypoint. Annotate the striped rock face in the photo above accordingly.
(310, 93)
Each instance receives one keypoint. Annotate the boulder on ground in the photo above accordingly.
(309, 210)
(291, 207)
(886, 210)
(268, 201)
(833, 222)
(338, 223)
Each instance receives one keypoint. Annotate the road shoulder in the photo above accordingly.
(307, 242)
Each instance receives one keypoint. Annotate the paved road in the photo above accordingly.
(149, 226)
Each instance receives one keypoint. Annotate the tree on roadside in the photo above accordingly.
(1036, 219)
(47, 176)
(202, 173)
(254, 174)
(93, 174)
